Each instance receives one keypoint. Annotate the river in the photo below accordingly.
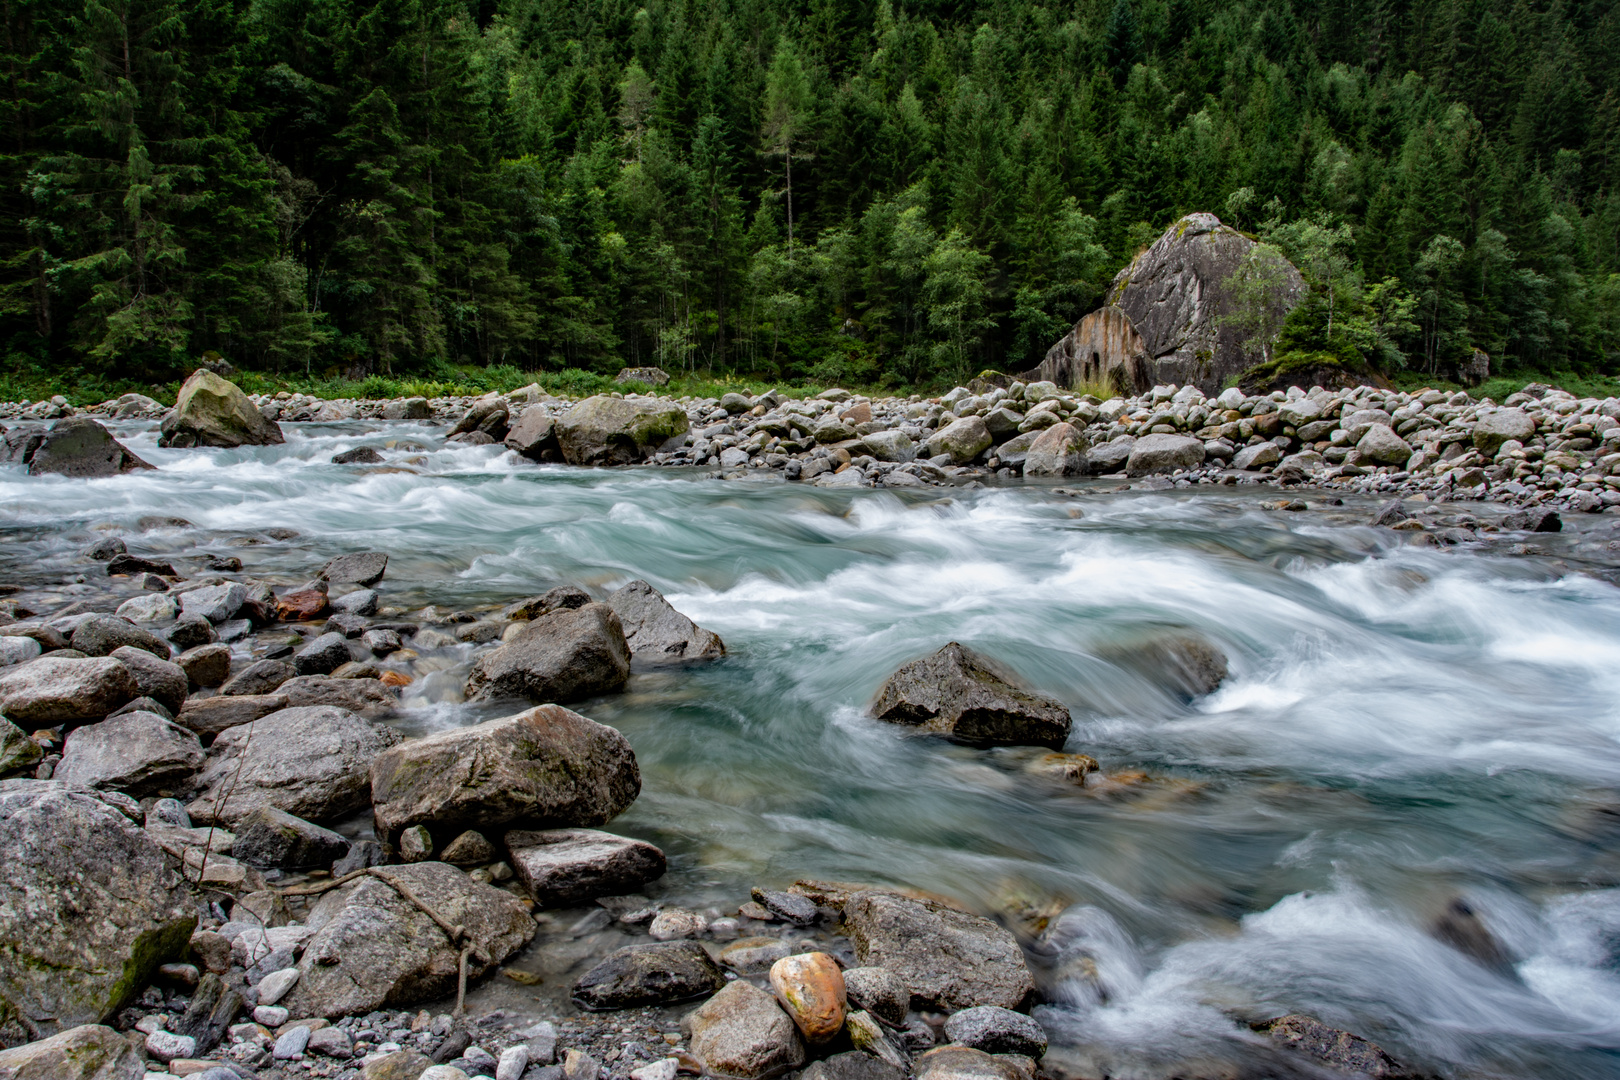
(1404, 728)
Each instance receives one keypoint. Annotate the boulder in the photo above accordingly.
(891, 446)
(651, 376)
(1164, 453)
(274, 839)
(86, 1052)
(544, 766)
(360, 568)
(659, 973)
(488, 414)
(360, 455)
(163, 682)
(534, 436)
(605, 430)
(368, 697)
(101, 635)
(137, 753)
(997, 1031)
(656, 632)
(964, 696)
(212, 715)
(1498, 426)
(565, 867)
(810, 987)
(1184, 662)
(17, 751)
(742, 1032)
(1060, 450)
(190, 631)
(54, 690)
(949, 959)
(381, 951)
(1258, 455)
(1180, 298)
(852, 1065)
(1382, 445)
(322, 656)
(562, 657)
(414, 408)
(965, 1063)
(206, 665)
(1015, 451)
(212, 412)
(1103, 349)
(216, 603)
(79, 447)
(1340, 1050)
(963, 440)
(259, 677)
(312, 762)
(150, 607)
(88, 909)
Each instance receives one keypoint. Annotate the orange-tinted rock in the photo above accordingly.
(301, 606)
(857, 414)
(394, 678)
(811, 988)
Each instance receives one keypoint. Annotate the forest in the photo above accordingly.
(874, 192)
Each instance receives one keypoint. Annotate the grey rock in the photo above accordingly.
(852, 1065)
(604, 430)
(561, 657)
(964, 696)
(1253, 457)
(216, 603)
(1382, 445)
(323, 655)
(362, 568)
(1391, 513)
(291, 1043)
(534, 436)
(1164, 453)
(1111, 456)
(652, 376)
(368, 697)
(86, 1052)
(18, 752)
(274, 839)
(381, 642)
(362, 854)
(1313, 1039)
(330, 1042)
(1184, 662)
(966, 1063)
(350, 626)
(742, 1032)
(891, 446)
(312, 762)
(212, 715)
(562, 598)
(789, 907)
(101, 635)
(566, 867)
(408, 409)
(209, 411)
(1015, 451)
(544, 766)
(168, 812)
(878, 992)
(471, 848)
(148, 608)
(159, 680)
(963, 440)
(1060, 450)
(656, 632)
(359, 602)
(1499, 425)
(138, 753)
(997, 1031)
(81, 448)
(360, 455)
(659, 973)
(260, 677)
(105, 548)
(1536, 519)
(949, 959)
(190, 631)
(51, 690)
(206, 665)
(134, 566)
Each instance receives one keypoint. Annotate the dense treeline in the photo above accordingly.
(837, 189)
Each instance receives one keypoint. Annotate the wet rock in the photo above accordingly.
(361, 602)
(133, 565)
(362, 568)
(101, 635)
(866, 1034)
(964, 1063)
(152, 607)
(1390, 514)
(562, 598)
(212, 412)
(742, 1032)
(546, 765)
(88, 909)
(312, 762)
(471, 848)
(949, 959)
(1060, 450)
(1181, 661)
(210, 716)
(138, 753)
(656, 632)
(80, 448)
(190, 631)
(366, 696)
(381, 951)
(1535, 519)
(259, 677)
(206, 665)
(810, 988)
(561, 657)
(604, 430)
(789, 907)
(565, 867)
(53, 690)
(852, 1065)
(360, 455)
(660, 973)
(963, 440)
(1163, 453)
(877, 991)
(86, 1052)
(1340, 1049)
(534, 436)
(323, 655)
(274, 839)
(962, 695)
(755, 955)
(997, 1031)
(159, 680)
(105, 548)
(216, 603)
(488, 414)
(17, 751)
(1497, 426)
(1461, 927)
(673, 923)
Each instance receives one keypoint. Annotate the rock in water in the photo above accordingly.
(811, 988)
(380, 951)
(1178, 292)
(562, 657)
(312, 762)
(1060, 450)
(534, 436)
(269, 838)
(656, 632)
(949, 959)
(79, 447)
(959, 694)
(564, 867)
(88, 909)
(54, 690)
(742, 1032)
(1330, 1046)
(660, 973)
(139, 753)
(1164, 453)
(87, 1052)
(546, 765)
(1181, 661)
(361, 568)
(212, 412)
(605, 430)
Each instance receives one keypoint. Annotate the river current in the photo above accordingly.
(1399, 814)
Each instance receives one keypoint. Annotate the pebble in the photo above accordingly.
(274, 987)
(662, 1069)
(271, 1016)
(513, 1061)
(291, 1043)
(165, 1045)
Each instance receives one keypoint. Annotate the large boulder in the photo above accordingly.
(534, 436)
(377, 950)
(1499, 425)
(270, 838)
(87, 1052)
(79, 447)
(546, 766)
(212, 715)
(88, 909)
(210, 411)
(959, 694)
(53, 690)
(1060, 450)
(1179, 296)
(742, 1032)
(564, 867)
(313, 762)
(102, 635)
(950, 959)
(1103, 349)
(606, 430)
(565, 656)
(656, 632)
(963, 440)
(1380, 444)
(658, 973)
(1164, 453)
(164, 682)
(140, 753)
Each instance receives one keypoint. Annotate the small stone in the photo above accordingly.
(662, 1069)
(754, 955)
(756, 911)
(165, 1045)
(788, 907)
(332, 1042)
(877, 991)
(416, 844)
(184, 974)
(274, 987)
(811, 988)
(214, 950)
(996, 1031)
(865, 1033)
(673, 923)
(291, 1043)
(478, 1059)
(471, 848)
(513, 1061)
(271, 1016)
(578, 1065)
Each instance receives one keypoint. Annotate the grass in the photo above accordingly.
(1499, 387)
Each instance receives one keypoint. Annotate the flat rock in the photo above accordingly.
(659, 973)
(311, 762)
(210, 411)
(362, 568)
(544, 766)
(210, 716)
(259, 677)
(565, 867)
(86, 1052)
(216, 603)
(51, 690)
(743, 1032)
(138, 753)
(964, 696)
(997, 1031)
(562, 657)
(949, 959)
(851, 1065)
(368, 697)
(274, 839)
(656, 632)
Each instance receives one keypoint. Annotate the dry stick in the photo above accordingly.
(221, 795)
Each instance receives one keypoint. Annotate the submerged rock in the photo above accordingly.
(1182, 661)
(656, 632)
(660, 973)
(1330, 1046)
(960, 694)
(210, 411)
(564, 867)
(949, 959)
(561, 657)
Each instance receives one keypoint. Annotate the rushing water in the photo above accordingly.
(1404, 727)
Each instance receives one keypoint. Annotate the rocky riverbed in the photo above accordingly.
(1093, 770)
